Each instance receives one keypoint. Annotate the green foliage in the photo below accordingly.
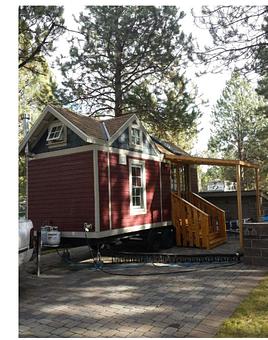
(168, 111)
(263, 61)
(39, 27)
(262, 52)
(263, 90)
(129, 62)
(22, 179)
(127, 52)
(238, 36)
(36, 84)
(211, 174)
(35, 91)
(239, 131)
(250, 319)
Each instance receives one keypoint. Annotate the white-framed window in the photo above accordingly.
(56, 133)
(135, 135)
(137, 187)
(173, 178)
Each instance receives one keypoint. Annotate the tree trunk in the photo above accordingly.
(118, 93)
(118, 108)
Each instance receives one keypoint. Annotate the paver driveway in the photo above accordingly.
(90, 303)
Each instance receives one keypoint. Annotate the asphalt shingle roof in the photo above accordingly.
(91, 126)
(88, 125)
(114, 124)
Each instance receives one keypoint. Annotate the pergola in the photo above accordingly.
(189, 160)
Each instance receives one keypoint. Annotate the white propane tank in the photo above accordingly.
(50, 236)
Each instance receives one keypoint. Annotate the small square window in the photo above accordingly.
(55, 133)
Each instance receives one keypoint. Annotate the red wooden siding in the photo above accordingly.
(121, 196)
(61, 191)
(166, 192)
(103, 190)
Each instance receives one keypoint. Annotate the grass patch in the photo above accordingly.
(250, 319)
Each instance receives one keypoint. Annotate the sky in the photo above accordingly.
(209, 86)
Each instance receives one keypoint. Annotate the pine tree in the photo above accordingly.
(122, 46)
(39, 27)
(238, 128)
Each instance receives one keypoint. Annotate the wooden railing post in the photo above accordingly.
(216, 218)
(191, 223)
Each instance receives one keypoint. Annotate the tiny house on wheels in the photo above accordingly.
(116, 180)
(109, 175)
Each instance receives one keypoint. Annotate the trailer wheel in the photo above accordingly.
(153, 241)
(167, 238)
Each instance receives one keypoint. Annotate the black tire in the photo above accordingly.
(153, 241)
(167, 238)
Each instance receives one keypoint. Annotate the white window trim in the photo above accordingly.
(58, 132)
(137, 211)
(135, 146)
(56, 143)
(173, 180)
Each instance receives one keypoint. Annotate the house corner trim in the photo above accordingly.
(96, 190)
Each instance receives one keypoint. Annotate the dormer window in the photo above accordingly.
(56, 133)
(135, 137)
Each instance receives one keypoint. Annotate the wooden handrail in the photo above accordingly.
(190, 222)
(217, 215)
(189, 204)
(206, 202)
(197, 223)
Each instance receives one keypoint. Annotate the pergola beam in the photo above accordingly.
(209, 161)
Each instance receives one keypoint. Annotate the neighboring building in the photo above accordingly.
(219, 185)
(228, 202)
(107, 174)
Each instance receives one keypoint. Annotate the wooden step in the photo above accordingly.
(216, 242)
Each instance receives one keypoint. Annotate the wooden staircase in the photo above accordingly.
(198, 223)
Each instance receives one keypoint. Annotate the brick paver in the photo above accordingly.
(90, 303)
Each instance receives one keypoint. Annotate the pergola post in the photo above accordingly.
(189, 184)
(258, 206)
(178, 180)
(239, 205)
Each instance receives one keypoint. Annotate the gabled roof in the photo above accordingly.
(114, 124)
(87, 128)
(91, 126)
(88, 125)
(92, 130)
